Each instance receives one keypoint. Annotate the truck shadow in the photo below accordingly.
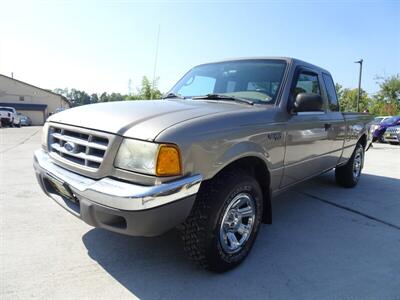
(309, 246)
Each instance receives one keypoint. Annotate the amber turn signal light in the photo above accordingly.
(168, 161)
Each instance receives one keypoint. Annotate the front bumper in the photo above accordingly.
(117, 205)
(6, 121)
(391, 138)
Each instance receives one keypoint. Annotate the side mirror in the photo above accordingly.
(307, 102)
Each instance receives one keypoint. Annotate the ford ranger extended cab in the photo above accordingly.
(207, 159)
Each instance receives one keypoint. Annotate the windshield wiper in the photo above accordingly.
(223, 97)
(173, 95)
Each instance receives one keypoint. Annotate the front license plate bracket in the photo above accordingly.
(63, 189)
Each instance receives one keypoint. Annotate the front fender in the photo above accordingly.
(238, 151)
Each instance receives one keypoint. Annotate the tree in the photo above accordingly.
(103, 97)
(116, 97)
(348, 99)
(78, 97)
(63, 92)
(149, 90)
(339, 90)
(388, 96)
(133, 97)
(94, 98)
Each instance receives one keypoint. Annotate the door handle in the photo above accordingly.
(327, 126)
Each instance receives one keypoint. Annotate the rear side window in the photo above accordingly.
(331, 92)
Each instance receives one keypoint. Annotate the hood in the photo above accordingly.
(143, 119)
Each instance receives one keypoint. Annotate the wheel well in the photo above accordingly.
(363, 140)
(257, 168)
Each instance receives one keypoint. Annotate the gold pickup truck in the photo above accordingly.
(207, 158)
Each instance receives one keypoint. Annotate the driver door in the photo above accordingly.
(307, 143)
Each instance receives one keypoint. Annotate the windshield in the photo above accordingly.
(7, 109)
(256, 80)
(391, 120)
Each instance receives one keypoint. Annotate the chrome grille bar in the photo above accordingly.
(80, 155)
(85, 143)
(78, 146)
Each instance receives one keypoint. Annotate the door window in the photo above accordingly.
(307, 83)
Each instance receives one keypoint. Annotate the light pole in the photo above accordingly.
(359, 84)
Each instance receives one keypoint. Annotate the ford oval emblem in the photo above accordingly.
(71, 147)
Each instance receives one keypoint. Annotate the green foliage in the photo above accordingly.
(339, 90)
(348, 100)
(386, 102)
(76, 97)
(94, 98)
(147, 90)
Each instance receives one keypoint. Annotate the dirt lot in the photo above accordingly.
(326, 242)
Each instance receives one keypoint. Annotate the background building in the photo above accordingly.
(30, 100)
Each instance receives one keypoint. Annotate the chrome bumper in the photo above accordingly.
(113, 193)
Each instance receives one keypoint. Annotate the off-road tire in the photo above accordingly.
(344, 175)
(200, 232)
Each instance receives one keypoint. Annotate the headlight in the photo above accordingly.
(149, 158)
(45, 134)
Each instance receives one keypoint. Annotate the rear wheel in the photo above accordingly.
(349, 174)
(224, 222)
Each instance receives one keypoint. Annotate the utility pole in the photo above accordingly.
(155, 62)
(359, 84)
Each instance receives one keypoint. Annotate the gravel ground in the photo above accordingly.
(326, 242)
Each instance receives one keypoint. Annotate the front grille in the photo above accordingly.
(392, 129)
(78, 146)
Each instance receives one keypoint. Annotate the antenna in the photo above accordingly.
(155, 61)
(130, 87)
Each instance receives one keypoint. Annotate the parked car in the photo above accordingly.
(59, 109)
(392, 135)
(9, 116)
(24, 120)
(379, 119)
(375, 123)
(5, 116)
(389, 122)
(208, 158)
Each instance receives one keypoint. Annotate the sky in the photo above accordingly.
(99, 46)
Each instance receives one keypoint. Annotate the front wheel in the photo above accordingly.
(224, 222)
(349, 174)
